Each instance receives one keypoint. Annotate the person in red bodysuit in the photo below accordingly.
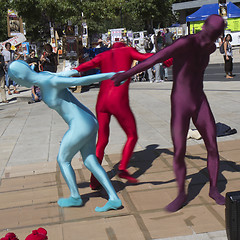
(188, 101)
(115, 101)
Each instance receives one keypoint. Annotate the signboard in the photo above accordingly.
(233, 25)
(116, 34)
(14, 23)
(70, 47)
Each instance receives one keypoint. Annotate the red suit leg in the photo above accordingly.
(127, 121)
(103, 136)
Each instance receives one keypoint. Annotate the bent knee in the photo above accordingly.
(64, 158)
(61, 160)
(133, 138)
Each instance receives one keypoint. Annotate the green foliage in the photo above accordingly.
(4, 4)
(101, 15)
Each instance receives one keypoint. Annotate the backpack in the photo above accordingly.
(148, 45)
(221, 48)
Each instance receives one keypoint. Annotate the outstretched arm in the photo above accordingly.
(139, 56)
(65, 82)
(68, 73)
(166, 53)
(94, 63)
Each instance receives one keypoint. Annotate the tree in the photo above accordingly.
(38, 14)
(100, 15)
(4, 4)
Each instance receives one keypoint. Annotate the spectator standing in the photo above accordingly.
(168, 37)
(228, 54)
(107, 43)
(34, 63)
(9, 57)
(48, 59)
(2, 78)
(168, 40)
(160, 41)
(156, 66)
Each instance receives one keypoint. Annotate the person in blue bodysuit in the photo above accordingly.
(83, 126)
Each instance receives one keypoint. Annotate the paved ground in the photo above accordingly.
(31, 182)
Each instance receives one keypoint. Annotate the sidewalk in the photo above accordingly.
(31, 182)
(217, 57)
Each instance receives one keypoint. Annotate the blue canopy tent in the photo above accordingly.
(206, 10)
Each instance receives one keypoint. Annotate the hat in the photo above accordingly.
(40, 234)
(10, 236)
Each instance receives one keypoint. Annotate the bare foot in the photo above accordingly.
(70, 202)
(110, 205)
(215, 195)
(177, 203)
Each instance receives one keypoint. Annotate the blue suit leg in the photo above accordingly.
(90, 161)
(69, 147)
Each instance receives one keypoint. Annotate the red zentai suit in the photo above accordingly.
(115, 101)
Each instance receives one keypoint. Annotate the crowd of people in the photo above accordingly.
(153, 43)
(159, 72)
(48, 61)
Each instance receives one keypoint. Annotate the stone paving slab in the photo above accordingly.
(31, 182)
(29, 200)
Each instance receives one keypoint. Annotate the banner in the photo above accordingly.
(233, 25)
(20, 38)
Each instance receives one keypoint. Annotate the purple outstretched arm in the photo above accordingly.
(188, 101)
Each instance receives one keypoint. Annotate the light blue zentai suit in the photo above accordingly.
(83, 126)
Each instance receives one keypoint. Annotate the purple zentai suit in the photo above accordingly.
(188, 101)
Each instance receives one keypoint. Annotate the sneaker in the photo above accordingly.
(9, 92)
(16, 92)
(159, 81)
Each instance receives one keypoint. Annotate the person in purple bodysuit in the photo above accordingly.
(188, 101)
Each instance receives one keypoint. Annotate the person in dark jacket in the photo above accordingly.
(48, 59)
